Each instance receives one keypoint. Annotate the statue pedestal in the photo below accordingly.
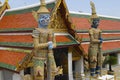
(104, 77)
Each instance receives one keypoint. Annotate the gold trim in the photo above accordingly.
(75, 58)
(5, 5)
(6, 1)
(25, 63)
(42, 9)
(57, 22)
(59, 30)
(39, 58)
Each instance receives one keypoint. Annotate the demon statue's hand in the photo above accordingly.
(101, 40)
(35, 33)
(50, 45)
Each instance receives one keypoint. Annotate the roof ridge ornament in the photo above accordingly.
(6, 1)
(42, 2)
(43, 8)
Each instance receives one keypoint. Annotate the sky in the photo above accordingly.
(103, 7)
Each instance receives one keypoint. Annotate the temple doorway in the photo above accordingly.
(61, 59)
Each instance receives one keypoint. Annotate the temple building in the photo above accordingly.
(70, 33)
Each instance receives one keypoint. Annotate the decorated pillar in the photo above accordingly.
(70, 71)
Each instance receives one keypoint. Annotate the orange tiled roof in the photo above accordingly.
(21, 18)
(83, 24)
(11, 58)
(64, 40)
(111, 45)
(16, 38)
(80, 23)
(105, 46)
(24, 20)
(82, 35)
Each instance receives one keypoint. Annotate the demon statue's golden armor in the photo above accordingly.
(44, 66)
(94, 52)
(95, 47)
(43, 45)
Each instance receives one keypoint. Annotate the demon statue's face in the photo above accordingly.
(95, 22)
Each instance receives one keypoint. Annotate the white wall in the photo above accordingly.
(1, 75)
(17, 76)
(70, 72)
(118, 58)
(79, 66)
(7, 75)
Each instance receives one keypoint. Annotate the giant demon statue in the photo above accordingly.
(94, 52)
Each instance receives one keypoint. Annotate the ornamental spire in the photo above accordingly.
(94, 14)
(43, 8)
(42, 2)
(6, 1)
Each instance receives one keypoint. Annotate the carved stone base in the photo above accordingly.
(104, 77)
(110, 72)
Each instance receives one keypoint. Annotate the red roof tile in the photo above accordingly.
(80, 23)
(25, 20)
(16, 38)
(83, 24)
(65, 40)
(105, 46)
(109, 25)
(11, 58)
(62, 38)
(103, 35)
(85, 47)
(111, 45)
